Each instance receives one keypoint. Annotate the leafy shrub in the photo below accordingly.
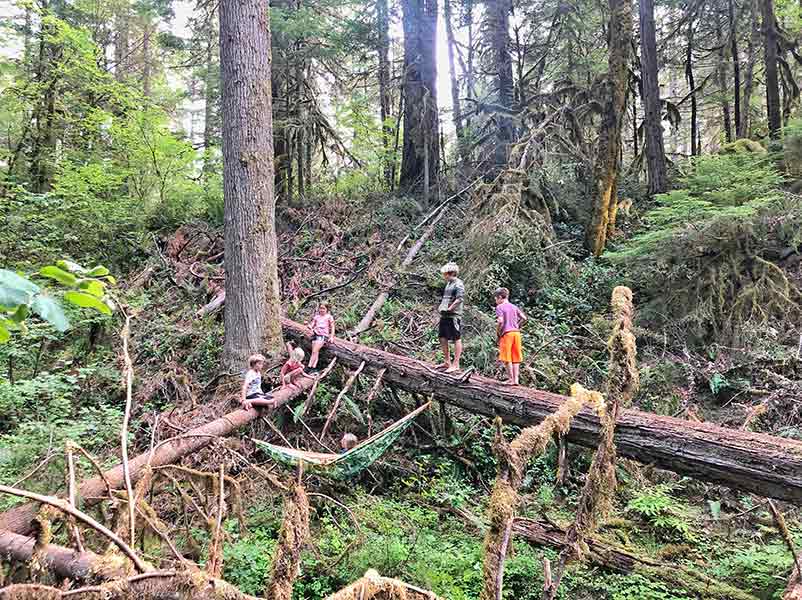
(656, 506)
(757, 568)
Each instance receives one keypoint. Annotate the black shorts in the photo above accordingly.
(450, 328)
(320, 338)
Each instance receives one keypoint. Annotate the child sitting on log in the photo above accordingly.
(508, 327)
(293, 369)
(322, 328)
(251, 393)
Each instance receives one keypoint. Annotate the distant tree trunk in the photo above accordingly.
(497, 28)
(652, 120)
(605, 169)
(420, 92)
(385, 99)
(252, 309)
(736, 70)
(122, 23)
(211, 94)
(44, 142)
(751, 57)
(722, 77)
(692, 87)
(635, 125)
(773, 107)
(146, 57)
(455, 88)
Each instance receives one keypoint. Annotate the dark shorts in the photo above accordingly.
(320, 338)
(450, 328)
(261, 396)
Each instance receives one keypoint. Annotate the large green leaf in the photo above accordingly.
(63, 277)
(70, 266)
(51, 311)
(11, 297)
(87, 301)
(4, 335)
(21, 313)
(12, 280)
(93, 286)
(98, 271)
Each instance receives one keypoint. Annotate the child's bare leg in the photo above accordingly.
(316, 346)
(446, 356)
(510, 372)
(516, 372)
(457, 354)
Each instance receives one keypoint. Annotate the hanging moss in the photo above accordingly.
(291, 540)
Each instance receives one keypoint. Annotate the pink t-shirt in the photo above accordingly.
(510, 315)
(321, 324)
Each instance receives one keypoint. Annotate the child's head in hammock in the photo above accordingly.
(349, 441)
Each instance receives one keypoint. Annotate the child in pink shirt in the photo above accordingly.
(321, 326)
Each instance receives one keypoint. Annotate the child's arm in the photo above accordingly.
(243, 391)
(283, 374)
(522, 316)
(331, 324)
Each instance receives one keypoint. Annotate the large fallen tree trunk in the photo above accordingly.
(61, 561)
(19, 519)
(753, 462)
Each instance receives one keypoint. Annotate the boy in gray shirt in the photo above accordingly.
(450, 327)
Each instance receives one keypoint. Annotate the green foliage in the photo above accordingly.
(19, 296)
(661, 511)
(758, 568)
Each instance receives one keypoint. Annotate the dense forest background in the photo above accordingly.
(559, 148)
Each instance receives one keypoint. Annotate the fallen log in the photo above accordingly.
(20, 518)
(64, 562)
(752, 462)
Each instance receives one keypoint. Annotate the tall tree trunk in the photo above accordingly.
(420, 92)
(652, 119)
(122, 23)
(773, 107)
(722, 77)
(497, 28)
(736, 70)
(252, 310)
(605, 169)
(385, 99)
(43, 145)
(692, 87)
(455, 88)
(751, 58)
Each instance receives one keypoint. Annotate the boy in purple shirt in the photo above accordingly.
(508, 328)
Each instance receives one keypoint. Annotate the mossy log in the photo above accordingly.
(752, 462)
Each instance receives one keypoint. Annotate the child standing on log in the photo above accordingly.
(450, 326)
(322, 327)
(293, 369)
(251, 393)
(508, 328)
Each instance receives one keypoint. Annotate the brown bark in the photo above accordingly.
(497, 29)
(773, 107)
(456, 107)
(692, 87)
(722, 75)
(751, 58)
(91, 491)
(652, 118)
(753, 462)
(421, 151)
(736, 69)
(252, 292)
(385, 99)
(605, 169)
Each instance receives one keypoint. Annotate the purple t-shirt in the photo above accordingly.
(509, 313)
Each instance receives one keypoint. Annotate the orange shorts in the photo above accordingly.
(509, 347)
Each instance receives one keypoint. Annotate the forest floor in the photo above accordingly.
(416, 513)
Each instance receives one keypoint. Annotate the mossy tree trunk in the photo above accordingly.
(605, 170)
(252, 309)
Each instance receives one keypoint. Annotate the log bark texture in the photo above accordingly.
(20, 518)
(753, 462)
